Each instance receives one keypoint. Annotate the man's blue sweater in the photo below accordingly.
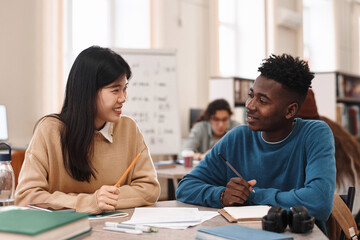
(298, 171)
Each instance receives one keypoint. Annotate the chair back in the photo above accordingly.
(349, 198)
(341, 219)
(17, 159)
(194, 115)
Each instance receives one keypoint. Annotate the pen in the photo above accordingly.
(128, 169)
(130, 226)
(232, 168)
(125, 230)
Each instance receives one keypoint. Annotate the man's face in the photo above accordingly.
(219, 122)
(267, 105)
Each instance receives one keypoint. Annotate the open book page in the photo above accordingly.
(244, 213)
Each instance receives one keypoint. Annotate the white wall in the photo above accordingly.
(20, 61)
(184, 26)
(282, 38)
(190, 27)
(344, 52)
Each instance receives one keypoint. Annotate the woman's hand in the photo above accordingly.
(197, 156)
(200, 156)
(107, 197)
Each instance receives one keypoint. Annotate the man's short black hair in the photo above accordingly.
(289, 71)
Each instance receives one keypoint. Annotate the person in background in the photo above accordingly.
(211, 126)
(287, 161)
(76, 157)
(347, 151)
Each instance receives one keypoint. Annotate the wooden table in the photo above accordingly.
(189, 233)
(174, 173)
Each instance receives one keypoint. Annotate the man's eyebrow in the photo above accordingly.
(260, 94)
(264, 95)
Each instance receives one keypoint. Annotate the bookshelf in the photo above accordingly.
(338, 98)
(235, 90)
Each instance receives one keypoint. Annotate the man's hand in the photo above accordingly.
(237, 191)
(107, 197)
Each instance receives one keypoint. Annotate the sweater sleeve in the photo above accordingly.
(205, 183)
(34, 186)
(43, 179)
(141, 188)
(318, 190)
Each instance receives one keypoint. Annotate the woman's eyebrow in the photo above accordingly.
(114, 86)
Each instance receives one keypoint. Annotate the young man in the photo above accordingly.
(287, 161)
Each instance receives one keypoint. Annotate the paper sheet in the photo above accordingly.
(175, 218)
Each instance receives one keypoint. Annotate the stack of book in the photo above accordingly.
(36, 224)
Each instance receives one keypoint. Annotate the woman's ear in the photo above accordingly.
(292, 109)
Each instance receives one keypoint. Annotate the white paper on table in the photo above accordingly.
(205, 215)
(164, 215)
(175, 218)
(12, 207)
(195, 162)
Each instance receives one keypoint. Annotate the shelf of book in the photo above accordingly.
(235, 90)
(348, 100)
(338, 98)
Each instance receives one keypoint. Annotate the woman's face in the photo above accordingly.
(219, 122)
(109, 102)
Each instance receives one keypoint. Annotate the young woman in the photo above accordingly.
(209, 128)
(76, 157)
(347, 151)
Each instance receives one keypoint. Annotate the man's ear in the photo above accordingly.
(292, 109)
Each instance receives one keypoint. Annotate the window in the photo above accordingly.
(241, 37)
(318, 24)
(107, 23)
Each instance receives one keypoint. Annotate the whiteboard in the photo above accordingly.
(152, 98)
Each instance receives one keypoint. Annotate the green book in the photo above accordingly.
(34, 224)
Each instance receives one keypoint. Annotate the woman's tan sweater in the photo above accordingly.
(43, 178)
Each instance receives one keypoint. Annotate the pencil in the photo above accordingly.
(232, 168)
(127, 170)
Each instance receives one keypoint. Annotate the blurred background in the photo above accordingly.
(219, 38)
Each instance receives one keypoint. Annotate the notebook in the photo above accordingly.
(49, 207)
(35, 224)
(244, 213)
(113, 214)
(238, 232)
(165, 164)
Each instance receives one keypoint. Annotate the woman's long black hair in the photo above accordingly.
(94, 68)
